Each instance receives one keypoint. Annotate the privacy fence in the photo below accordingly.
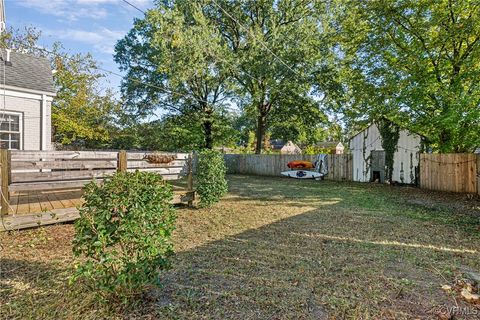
(458, 172)
(454, 172)
(340, 166)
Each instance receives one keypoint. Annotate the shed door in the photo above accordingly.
(377, 170)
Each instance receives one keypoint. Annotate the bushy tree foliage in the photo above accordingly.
(277, 47)
(175, 133)
(416, 62)
(81, 114)
(181, 55)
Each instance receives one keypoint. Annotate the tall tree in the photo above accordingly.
(276, 46)
(176, 50)
(416, 62)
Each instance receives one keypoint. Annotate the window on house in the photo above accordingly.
(10, 131)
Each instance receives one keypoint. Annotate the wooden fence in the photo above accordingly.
(340, 166)
(454, 172)
(49, 170)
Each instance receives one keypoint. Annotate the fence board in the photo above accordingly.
(59, 175)
(50, 185)
(449, 172)
(144, 164)
(21, 155)
(141, 155)
(64, 164)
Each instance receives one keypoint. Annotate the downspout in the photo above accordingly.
(43, 133)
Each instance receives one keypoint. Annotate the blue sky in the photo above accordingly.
(80, 25)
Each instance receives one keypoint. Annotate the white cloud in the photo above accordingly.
(76, 9)
(102, 40)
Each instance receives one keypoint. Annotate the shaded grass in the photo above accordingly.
(274, 248)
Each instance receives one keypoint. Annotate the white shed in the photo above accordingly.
(369, 156)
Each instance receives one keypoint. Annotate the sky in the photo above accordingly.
(80, 25)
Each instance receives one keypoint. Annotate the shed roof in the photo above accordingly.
(27, 72)
(373, 123)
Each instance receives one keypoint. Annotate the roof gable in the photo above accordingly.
(27, 72)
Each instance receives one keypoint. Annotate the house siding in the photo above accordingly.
(31, 120)
(406, 158)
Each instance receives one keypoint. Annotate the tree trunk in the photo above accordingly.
(207, 130)
(444, 141)
(261, 124)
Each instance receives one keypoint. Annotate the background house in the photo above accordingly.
(26, 95)
(290, 148)
(369, 156)
(276, 144)
(331, 147)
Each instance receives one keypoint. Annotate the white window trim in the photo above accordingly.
(20, 125)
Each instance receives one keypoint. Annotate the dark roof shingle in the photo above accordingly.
(27, 72)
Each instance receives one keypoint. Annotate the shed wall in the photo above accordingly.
(406, 158)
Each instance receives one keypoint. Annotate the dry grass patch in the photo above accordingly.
(274, 248)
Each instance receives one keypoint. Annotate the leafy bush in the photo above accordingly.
(313, 150)
(123, 234)
(211, 182)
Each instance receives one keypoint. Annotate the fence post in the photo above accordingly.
(122, 161)
(5, 157)
(190, 180)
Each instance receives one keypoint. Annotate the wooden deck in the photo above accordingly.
(45, 186)
(37, 208)
(29, 209)
(42, 201)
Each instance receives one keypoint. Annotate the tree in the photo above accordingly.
(23, 40)
(276, 47)
(81, 114)
(415, 62)
(181, 56)
(300, 120)
(174, 133)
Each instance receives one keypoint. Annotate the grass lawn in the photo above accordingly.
(276, 248)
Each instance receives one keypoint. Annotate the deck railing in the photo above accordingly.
(49, 170)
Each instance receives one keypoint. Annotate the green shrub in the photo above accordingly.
(123, 234)
(313, 150)
(211, 184)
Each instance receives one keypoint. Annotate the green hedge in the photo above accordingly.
(123, 234)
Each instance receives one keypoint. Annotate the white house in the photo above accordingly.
(369, 156)
(26, 95)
